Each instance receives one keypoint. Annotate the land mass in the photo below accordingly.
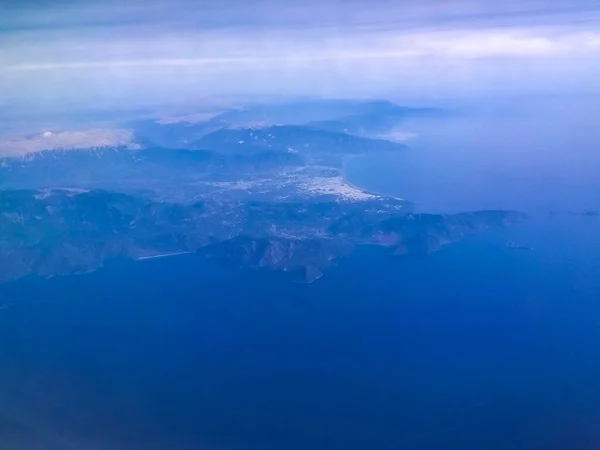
(61, 231)
(271, 195)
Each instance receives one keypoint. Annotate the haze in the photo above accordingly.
(72, 55)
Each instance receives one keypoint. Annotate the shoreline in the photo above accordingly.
(360, 188)
(165, 255)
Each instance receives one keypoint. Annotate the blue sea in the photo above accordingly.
(478, 346)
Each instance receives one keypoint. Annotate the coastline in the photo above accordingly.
(361, 188)
(164, 255)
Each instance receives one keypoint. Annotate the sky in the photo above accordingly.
(76, 54)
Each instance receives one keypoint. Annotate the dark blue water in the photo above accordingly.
(476, 347)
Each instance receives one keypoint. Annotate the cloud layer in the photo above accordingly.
(140, 52)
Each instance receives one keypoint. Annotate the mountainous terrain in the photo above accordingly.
(360, 118)
(272, 195)
(64, 231)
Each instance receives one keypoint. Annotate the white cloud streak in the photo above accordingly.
(471, 45)
(132, 51)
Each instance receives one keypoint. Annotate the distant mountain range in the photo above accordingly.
(354, 117)
(226, 153)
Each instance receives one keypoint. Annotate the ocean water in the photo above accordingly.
(536, 156)
(479, 346)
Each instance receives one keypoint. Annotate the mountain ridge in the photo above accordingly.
(62, 232)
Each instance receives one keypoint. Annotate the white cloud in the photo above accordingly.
(291, 48)
(133, 52)
(65, 140)
(591, 40)
(490, 45)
